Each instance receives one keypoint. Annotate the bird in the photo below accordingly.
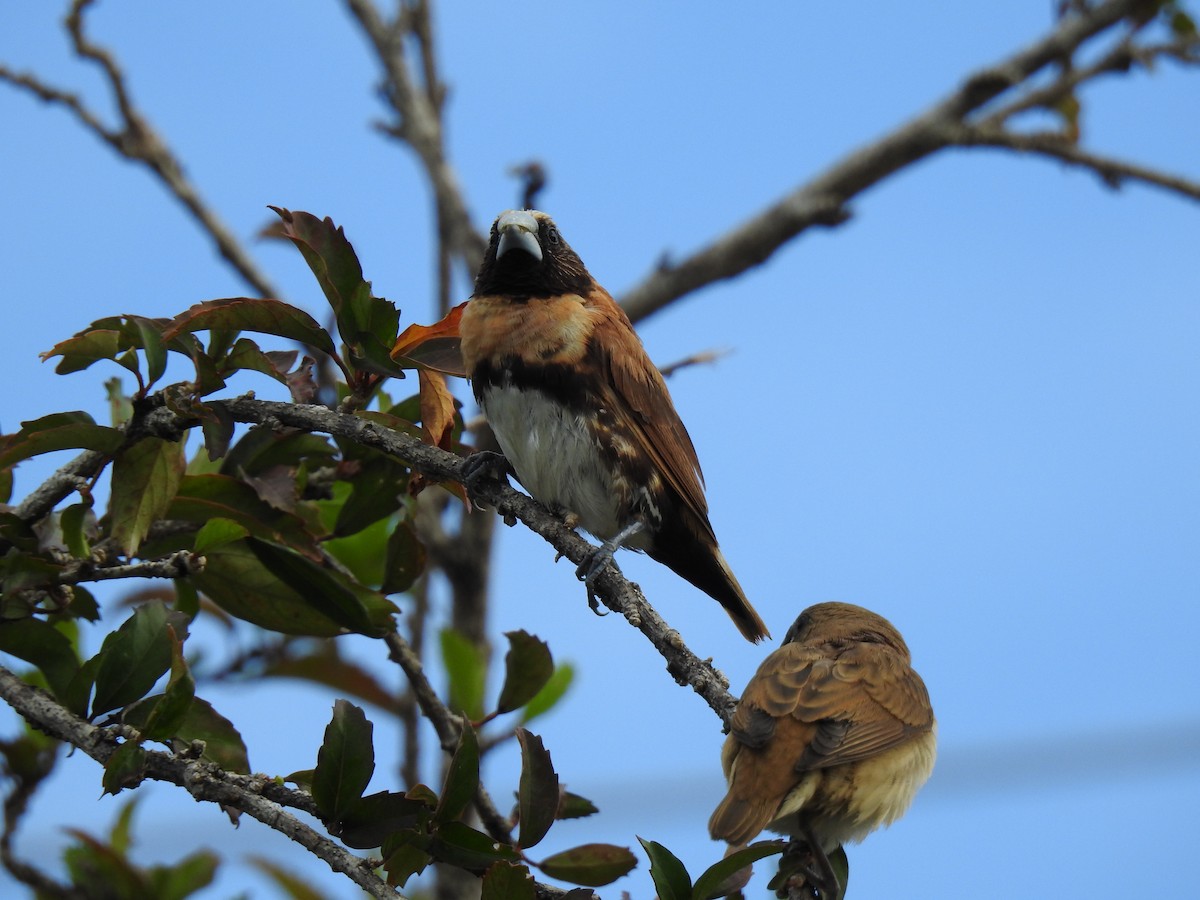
(832, 737)
(582, 415)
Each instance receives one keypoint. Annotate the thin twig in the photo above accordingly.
(177, 565)
(418, 121)
(1113, 172)
(137, 141)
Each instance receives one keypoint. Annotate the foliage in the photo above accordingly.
(302, 535)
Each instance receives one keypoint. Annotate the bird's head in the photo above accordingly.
(527, 258)
(830, 623)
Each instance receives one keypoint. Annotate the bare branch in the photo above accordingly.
(1113, 172)
(178, 565)
(418, 116)
(138, 142)
(448, 727)
(823, 200)
(203, 780)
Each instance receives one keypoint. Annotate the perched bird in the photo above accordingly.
(582, 415)
(833, 735)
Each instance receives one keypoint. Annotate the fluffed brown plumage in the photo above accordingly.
(833, 735)
(583, 416)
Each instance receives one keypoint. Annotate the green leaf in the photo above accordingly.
(187, 598)
(235, 580)
(74, 522)
(377, 491)
(223, 743)
(85, 348)
(79, 691)
(170, 712)
(145, 478)
(538, 793)
(463, 846)
(58, 431)
(669, 875)
(367, 324)
(218, 532)
(573, 806)
(404, 855)
(372, 819)
(345, 761)
(150, 335)
(125, 768)
(292, 885)
(120, 405)
(467, 670)
(840, 863)
(364, 553)
(248, 314)
(505, 881)
(462, 778)
(528, 667)
(134, 657)
(592, 865)
(332, 594)
(547, 698)
(201, 498)
(185, 877)
(405, 560)
(710, 883)
(43, 645)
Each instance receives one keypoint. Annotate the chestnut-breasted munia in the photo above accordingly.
(581, 413)
(832, 737)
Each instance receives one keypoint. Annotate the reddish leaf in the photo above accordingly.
(437, 409)
(59, 431)
(435, 346)
(248, 314)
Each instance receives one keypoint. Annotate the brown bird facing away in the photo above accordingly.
(582, 415)
(832, 738)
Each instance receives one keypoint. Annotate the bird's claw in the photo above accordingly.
(484, 464)
(590, 569)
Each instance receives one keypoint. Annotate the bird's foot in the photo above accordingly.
(594, 563)
(805, 873)
(484, 464)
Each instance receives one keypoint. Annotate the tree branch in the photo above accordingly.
(1113, 172)
(613, 589)
(822, 201)
(418, 116)
(203, 780)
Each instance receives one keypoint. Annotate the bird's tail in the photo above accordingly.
(737, 820)
(702, 563)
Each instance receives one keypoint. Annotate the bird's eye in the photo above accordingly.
(552, 235)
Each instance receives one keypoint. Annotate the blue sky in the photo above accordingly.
(973, 408)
